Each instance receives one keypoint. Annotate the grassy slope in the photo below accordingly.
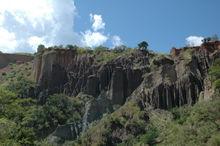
(197, 125)
(13, 71)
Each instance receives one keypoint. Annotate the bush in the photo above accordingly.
(23, 121)
(100, 49)
(20, 85)
(199, 125)
(214, 72)
(150, 136)
(4, 74)
(180, 114)
(214, 140)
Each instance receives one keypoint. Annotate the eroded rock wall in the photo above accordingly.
(66, 71)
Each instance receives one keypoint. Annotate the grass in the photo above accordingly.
(15, 71)
(214, 72)
(194, 125)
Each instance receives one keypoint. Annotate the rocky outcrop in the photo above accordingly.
(50, 69)
(163, 81)
(177, 82)
(65, 132)
(95, 109)
(117, 89)
(155, 81)
(67, 71)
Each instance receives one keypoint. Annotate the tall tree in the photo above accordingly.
(143, 45)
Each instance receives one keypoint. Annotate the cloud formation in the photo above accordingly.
(193, 41)
(95, 36)
(97, 22)
(116, 41)
(7, 40)
(93, 39)
(25, 23)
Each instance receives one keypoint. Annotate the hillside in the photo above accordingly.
(76, 96)
(6, 59)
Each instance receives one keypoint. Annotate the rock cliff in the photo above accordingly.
(68, 72)
(153, 80)
(163, 80)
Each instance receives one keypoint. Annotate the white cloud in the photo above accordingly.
(25, 23)
(95, 36)
(194, 41)
(8, 41)
(93, 39)
(34, 41)
(116, 41)
(97, 21)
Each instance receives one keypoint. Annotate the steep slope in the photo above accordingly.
(142, 122)
(112, 97)
(166, 80)
(69, 72)
(178, 80)
(151, 80)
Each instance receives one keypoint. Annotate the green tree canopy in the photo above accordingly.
(143, 45)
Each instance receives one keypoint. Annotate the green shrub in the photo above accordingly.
(100, 49)
(4, 74)
(20, 85)
(214, 140)
(81, 51)
(180, 114)
(214, 72)
(150, 136)
(217, 84)
(199, 124)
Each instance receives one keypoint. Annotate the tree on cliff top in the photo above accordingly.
(40, 48)
(214, 38)
(143, 45)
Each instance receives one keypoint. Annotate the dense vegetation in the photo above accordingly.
(189, 125)
(102, 54)
(23, 121)
(215, 73)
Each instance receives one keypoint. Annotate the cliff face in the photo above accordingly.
(50, 68)
(153, 80)
(160, 81)
(71, 73)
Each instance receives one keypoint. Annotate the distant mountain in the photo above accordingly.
(6, 59)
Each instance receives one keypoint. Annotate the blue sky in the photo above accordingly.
(163, 23)
(25, 24)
